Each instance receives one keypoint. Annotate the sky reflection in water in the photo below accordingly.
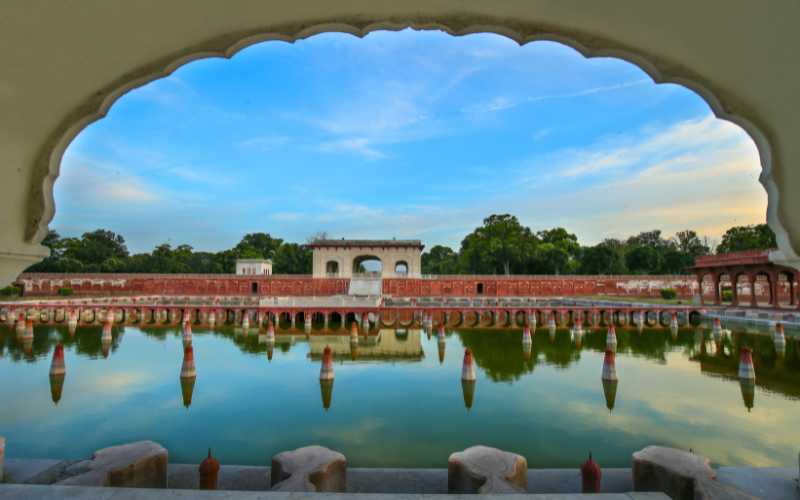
(396, 404)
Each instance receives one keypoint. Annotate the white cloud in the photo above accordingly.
(358, 145)
(682, 143)
(87, 182)
(200, 176)
(541, 134)
(264, 143)
(502, 103)
(699, 174)
(498, 103)
(591, 91)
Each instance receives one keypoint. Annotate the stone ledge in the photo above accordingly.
(39, 492)
(381, 480)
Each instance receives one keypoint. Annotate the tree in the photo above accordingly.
(440, 260)
(292, 258)
(643, 259)
(603, 258)
(499, 246)
(554, 251)
(95, 247)
(754, 237)
(257, 246)
(689, 243)
(549, 258)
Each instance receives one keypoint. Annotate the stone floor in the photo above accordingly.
(39, 492)
(767, 483)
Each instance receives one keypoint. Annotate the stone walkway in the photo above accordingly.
(36, 492)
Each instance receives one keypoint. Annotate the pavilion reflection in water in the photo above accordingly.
(387, 345)
(776, 356)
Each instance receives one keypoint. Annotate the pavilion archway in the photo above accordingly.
(225, 31)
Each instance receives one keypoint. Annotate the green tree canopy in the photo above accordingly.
(739, 238)
(440, 260)
(292, 258)
(497, 247)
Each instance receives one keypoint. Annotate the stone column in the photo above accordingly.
(325, 320)
(797, 296)
(773, 290)
(753, 297)
(735, 289)
(291, 321)
(700, 288)
(717, 299)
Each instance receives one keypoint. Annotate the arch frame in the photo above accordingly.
(46, 165)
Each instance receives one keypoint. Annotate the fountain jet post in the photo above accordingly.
(716, 329)
(326, 377)
(779, 339)
(609, 366)
(326, 369)
(609, 379)
(468, 378)
(187, 334)
(468, 366)
(58, 372)
(188, 375)
(746, 369)
(611, 339)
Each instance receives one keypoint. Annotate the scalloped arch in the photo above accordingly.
(41, 205)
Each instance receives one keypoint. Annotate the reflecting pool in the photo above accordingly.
(397, 398)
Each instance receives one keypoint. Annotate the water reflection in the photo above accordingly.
(535, 381)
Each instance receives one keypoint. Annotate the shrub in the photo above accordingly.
(727, 295)
(65, 292)
(668, 293)
(11, 291)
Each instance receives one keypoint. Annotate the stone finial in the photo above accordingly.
(481, 469)
(671, 471)
(208, 472)
(311, 468)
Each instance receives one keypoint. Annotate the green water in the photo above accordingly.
(396, 404)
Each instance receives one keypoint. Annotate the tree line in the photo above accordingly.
(105, 251)
(504, 246)
(501, 245)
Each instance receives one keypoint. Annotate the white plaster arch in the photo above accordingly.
(404, 262)
(365, 257)
(519, 21)
(335, 260)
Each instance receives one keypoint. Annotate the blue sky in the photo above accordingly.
(407, 135)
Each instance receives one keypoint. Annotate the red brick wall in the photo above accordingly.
(180, 284)
(302, 285)
(642, 286)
